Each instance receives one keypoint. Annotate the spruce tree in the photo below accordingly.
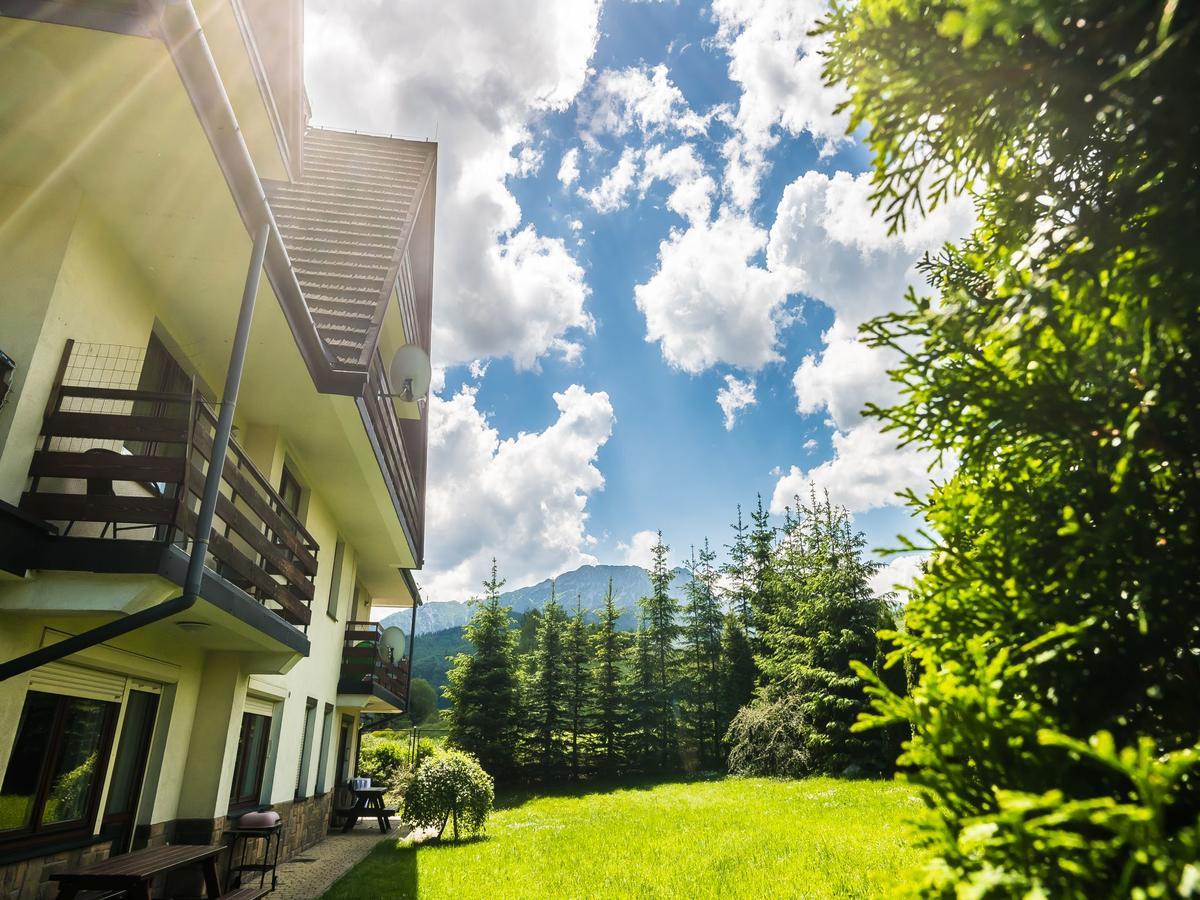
(738, 672)
(641, 735)
(826, 617)
(737, 570)
(546, 690)
(701, 673)
(761, 545)
(659, 619)
(482, 685)
(609, 649)
(577, 656)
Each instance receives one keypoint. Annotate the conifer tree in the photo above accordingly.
(737, 570)
(641, 735)
(738, 671)
(546, 689)
(577, 656)
(826, 616)
(761, 545)
(659, 619)
(482, 686)
(609, 648)
(701, 675)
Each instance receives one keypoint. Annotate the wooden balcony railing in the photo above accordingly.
(363, 666)
(135, 471)
(402, 449)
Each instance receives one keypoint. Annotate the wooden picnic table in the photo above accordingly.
(368, 804)
(134, 872)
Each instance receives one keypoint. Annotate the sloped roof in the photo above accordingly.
(346, 223)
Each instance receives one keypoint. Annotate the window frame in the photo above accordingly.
(248, 801)
(334, 602)
(304, 764)
(36, 831)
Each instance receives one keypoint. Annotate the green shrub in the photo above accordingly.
(383, 760)
(449, 787)
(770, 738)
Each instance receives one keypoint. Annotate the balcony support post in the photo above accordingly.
(208, 505)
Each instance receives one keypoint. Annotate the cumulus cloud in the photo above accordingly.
(708, 303)
(502, 289)
(683, 169)
(827, 243)
(522, 499)
(899, 574)
(734, 397)
(834, 248)
(865, 473)
(612, 192)
(776, 63)
(639, 550)
(620, 100)
(568, 169)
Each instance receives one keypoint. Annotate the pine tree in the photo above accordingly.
(609, 645)
(577, 655)
(738, 672)
(826, 616)
(643, 702)
(546, 689)
(659, 619)
(737, 570)
(701, 674)
(761, 545)
(482, 685)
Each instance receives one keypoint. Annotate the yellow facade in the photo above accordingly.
(117, 222)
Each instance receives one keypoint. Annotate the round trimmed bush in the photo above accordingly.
(450, 787)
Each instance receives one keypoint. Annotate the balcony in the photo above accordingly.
(369, 680)
(119, 472)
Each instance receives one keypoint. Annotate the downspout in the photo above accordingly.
(208, 503)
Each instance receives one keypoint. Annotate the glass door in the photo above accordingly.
(129, 770)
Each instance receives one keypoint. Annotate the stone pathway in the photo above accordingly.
(310, 872)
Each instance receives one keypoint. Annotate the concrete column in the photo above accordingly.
(208, 771)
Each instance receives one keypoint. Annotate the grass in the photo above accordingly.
(723, 838)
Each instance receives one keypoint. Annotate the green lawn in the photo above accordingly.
(729, 838)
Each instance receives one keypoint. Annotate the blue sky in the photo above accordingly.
(561, 434)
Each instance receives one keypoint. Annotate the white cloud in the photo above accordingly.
(620, 100)
(836, 250)
(521, 499)
(899, 574)
(529, 162)
(683, 169)
(568, 169)
(776, 62)
(708, 304)
(827, 243)
(613, 190)
(866, 471)
(574, 224)
(478, 369)
(847, 375)
(639, 550)
(734, 397)
(501, 289)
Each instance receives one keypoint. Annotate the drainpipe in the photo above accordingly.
(208, 504)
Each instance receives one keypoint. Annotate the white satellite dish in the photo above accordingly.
(410, 373)
(391, 645)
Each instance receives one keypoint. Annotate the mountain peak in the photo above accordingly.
(589, 583)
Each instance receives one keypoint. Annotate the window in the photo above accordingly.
(326, 740)
(251, 760)
(290, 491)
(306, 743)
(335, 582)
(52, 783)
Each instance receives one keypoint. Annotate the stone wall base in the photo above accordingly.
(305, 822)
